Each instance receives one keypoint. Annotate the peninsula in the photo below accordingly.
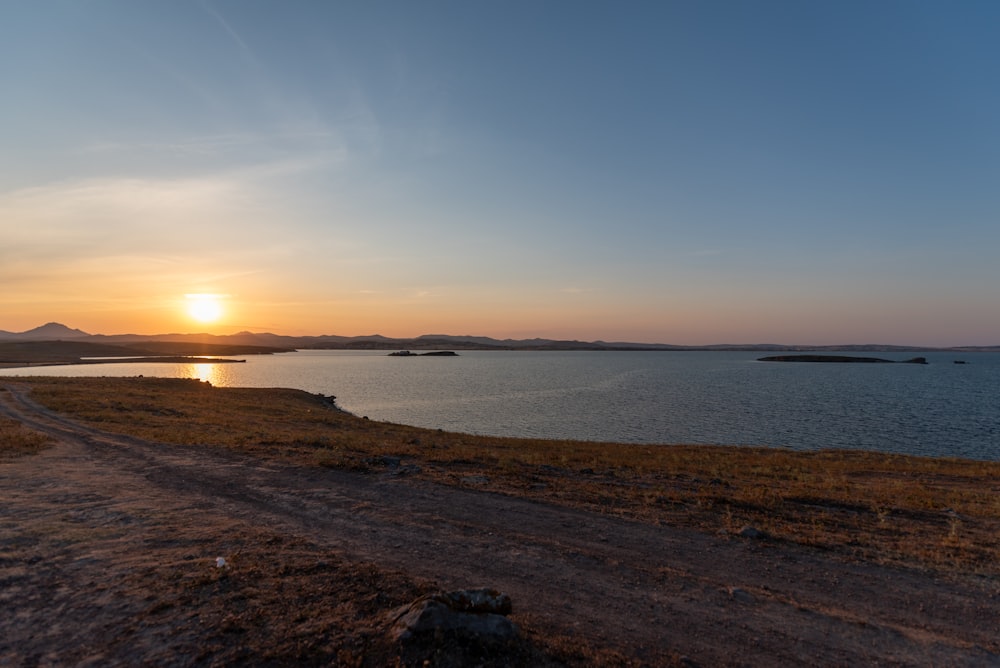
(59, 352)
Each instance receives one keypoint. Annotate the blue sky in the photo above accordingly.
(677, 172)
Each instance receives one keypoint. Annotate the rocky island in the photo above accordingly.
(843, 359)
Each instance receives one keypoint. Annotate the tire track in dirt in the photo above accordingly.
(644, 590)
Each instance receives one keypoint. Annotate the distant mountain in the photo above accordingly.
(57, 332)
(52, 331)
(486, 341)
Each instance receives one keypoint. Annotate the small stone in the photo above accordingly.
(475, 480)
(473, 613)
(478, 600)
(408, 469)
(384, 461)
(751, 532)
(740, 595)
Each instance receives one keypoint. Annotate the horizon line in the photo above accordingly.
(499, 340)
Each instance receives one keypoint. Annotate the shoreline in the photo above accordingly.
(175, 359)
(23, 354)
(645, 480)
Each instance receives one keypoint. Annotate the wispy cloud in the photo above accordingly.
(307, 142)
(200, 146)
(73, 223)
(357, 124)
(235, 36)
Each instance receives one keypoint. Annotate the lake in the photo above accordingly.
(938, 409)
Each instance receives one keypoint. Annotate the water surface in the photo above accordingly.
(941, 409)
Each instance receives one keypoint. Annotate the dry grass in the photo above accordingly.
(942, 514)
(16, 440)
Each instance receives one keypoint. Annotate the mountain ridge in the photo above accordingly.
(54, 331)
(48, 331)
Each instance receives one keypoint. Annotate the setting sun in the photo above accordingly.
(204, 307)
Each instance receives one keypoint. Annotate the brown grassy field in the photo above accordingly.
(16, 440)
(926, 513)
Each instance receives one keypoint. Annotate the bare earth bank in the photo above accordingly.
(109, 547)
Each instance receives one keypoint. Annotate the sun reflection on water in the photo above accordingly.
(207, 372)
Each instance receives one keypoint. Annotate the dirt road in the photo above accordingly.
(647, 591)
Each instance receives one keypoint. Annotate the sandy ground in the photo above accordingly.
(82, 524)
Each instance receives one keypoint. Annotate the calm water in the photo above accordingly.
(942, 409)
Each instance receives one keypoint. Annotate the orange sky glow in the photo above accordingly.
(681, 173)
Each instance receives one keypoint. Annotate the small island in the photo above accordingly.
(842, 359)
(433, 353)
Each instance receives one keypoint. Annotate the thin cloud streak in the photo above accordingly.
(243, 47)
(225, 144)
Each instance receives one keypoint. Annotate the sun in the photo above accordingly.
(204, 307)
